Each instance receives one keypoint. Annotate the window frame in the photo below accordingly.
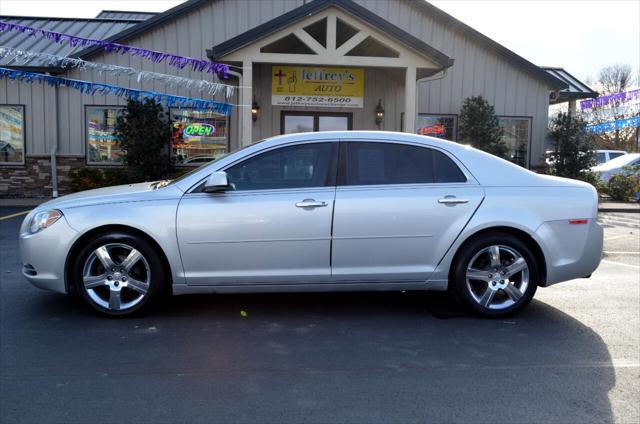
(444, 115)
(470, 179)
(24, 135)
(193, 165)
(530, 119)
(316, 118)
(199, 186)
(86, 135)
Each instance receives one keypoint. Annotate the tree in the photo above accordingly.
(573, 153)
(145, 136)
(479, 126)
(614, 79)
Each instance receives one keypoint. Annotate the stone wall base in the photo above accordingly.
(33, 179)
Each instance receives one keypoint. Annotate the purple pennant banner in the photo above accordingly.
(611, 98)
(176, 61)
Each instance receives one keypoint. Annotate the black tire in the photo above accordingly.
(465, 292)
(149, 269)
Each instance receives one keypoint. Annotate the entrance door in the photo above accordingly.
(296, 122)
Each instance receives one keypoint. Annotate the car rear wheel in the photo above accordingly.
(495, 275)
(119, 274)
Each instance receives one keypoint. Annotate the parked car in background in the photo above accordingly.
(603, 156)
(328, 211)
(616, 166)
(198, 160)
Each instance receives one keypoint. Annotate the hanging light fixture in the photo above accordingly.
(379, 113)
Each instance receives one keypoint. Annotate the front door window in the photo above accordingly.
(296, 122)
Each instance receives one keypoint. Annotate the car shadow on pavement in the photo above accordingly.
(364, 357)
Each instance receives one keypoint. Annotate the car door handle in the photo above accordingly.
(452, 200)
(310, 203)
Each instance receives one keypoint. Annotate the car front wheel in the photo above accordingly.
(118, 274)
(495, 275)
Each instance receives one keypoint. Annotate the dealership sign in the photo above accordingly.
(317, 86)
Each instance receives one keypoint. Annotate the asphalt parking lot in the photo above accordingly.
(573, 356)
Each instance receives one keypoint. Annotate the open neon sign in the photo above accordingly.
(199, 130)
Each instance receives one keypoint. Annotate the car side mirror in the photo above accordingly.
(216, 183)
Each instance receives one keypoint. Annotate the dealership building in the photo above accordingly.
(315, 65)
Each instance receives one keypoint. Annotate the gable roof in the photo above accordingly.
(316, 6)
(88, 28)
(144, 26)
(133, 15)
(575, 89)
(451, 22)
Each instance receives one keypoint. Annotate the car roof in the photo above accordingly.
(618, 162)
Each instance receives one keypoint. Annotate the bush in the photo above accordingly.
(81, 179)
(623, 186)
(574, 152)
(145, 138)
(479, 127)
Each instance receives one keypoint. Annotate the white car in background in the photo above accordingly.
(616, 166)
(604, 156)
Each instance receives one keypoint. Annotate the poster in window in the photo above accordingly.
(11, 134)
(440, 126)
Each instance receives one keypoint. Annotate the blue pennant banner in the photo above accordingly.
(91, 88)
(614, 125)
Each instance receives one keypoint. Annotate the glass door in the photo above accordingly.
(295, 122)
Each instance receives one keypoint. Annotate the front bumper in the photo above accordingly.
(571, 251)
(44, 254)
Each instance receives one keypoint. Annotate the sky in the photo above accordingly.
(580, 36)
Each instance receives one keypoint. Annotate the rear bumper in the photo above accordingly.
(571, 251)
(44, 255)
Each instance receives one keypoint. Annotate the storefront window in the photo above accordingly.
(198, 136)
(440, 126)
(516, 136)
(102, 145)
(11, 134)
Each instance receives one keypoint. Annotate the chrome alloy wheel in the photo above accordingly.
(116, 276)
(497, 277)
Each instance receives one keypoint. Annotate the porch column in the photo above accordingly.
(246, 99)
(410, 100)
(572, 108)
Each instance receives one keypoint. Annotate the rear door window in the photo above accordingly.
(374, 163)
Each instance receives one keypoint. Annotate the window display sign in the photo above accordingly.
(317, 86)
(11, 134)
(102, 144)
(436, 126)
(198, 136)
(199, 130)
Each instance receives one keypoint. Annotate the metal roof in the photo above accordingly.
(575, 89)
(126, 14)
(87, 28)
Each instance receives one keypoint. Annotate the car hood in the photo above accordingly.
(116, 194)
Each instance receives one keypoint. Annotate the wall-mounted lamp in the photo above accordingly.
(379, 113)
(255, 110)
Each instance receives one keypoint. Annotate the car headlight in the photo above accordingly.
(44, 219)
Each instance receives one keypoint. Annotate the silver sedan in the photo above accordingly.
(321, 212)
